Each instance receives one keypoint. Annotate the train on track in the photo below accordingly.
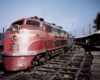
(32, 41)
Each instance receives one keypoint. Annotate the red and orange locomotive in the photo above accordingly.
(30, 41)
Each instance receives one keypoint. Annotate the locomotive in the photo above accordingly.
(31, 41)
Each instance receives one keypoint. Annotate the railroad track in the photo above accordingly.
(73, 65)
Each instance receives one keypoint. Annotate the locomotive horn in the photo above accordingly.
(41, 19)
(35, 17)
(60, 27)
(53, 24)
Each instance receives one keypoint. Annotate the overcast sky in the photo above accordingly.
(70, 14)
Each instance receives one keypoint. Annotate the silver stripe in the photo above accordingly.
(28, 53)
(25, 35)
(28, 30)
(31, 43)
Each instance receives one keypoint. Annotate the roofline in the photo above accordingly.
(96, 32)
(53, 26)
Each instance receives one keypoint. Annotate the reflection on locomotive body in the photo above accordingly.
(30, 41)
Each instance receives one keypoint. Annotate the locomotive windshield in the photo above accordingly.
(18, 22)
(34, 23)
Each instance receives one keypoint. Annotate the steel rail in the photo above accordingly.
(81, 65)
(52, 76)
(11, 76)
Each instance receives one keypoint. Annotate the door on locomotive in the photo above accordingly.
(50, 37)
(55, 37)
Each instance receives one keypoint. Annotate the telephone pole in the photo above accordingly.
(3, 29)
(83, 31)
(75, 32)
(89, 28)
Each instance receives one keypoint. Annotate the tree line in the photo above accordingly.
(97, 22)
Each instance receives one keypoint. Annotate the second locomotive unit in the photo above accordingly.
(31, 41)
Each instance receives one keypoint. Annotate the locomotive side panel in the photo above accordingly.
(56, 38)
(38, 44)
(28, 40)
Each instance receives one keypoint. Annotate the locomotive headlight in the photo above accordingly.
(14, 38)
(15, 27)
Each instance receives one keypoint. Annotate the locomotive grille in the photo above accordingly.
(14, 47)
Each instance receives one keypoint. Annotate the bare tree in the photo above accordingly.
(97, 22)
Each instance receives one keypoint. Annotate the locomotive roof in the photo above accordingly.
(44, 22)
(58, 28)
(96, 32)
(53, 26)
(50, 24)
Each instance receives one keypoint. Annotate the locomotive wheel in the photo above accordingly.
(34, 63)
(46, 57)
(50, 54)
(41, 61)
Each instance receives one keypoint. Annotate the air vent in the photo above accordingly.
(53, 24)
(60, 27)
(35, 17)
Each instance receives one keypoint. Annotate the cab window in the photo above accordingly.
(18, 22)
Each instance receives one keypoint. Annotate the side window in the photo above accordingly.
(52, 29)
(65, 33)
(44, 28)
(49, 29)
(58, 31)
(62, 33)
